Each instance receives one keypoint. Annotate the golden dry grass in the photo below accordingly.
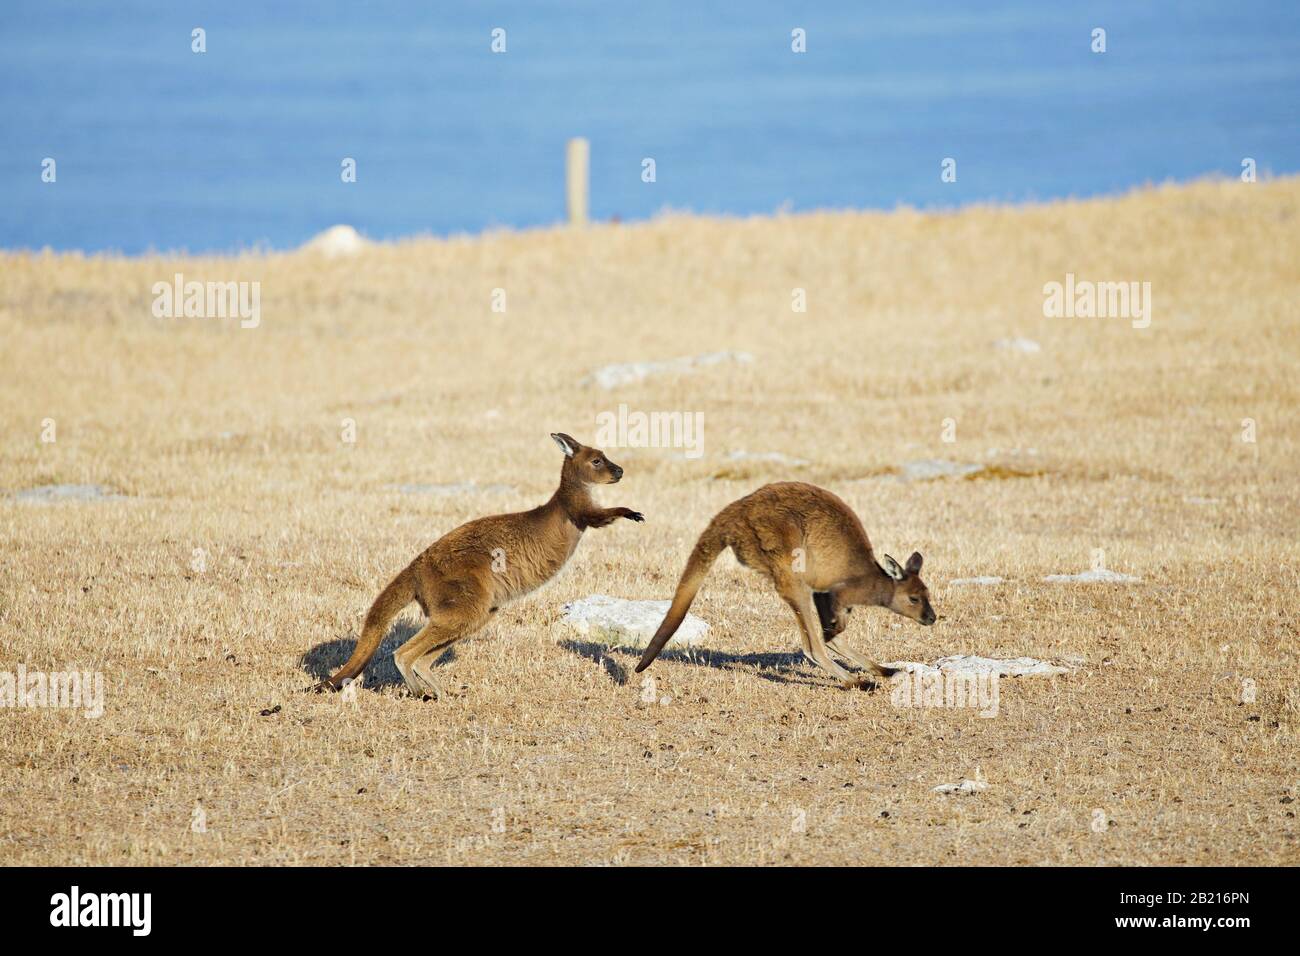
(229, 441)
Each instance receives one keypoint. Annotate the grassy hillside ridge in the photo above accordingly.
(228, 441)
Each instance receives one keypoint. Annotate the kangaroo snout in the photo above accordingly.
(616, 471)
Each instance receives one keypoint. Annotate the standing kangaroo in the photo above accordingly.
(466, 575)
(816, 552)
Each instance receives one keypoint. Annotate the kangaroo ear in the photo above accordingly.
(914, 563)
(892, 569)
(567, 444)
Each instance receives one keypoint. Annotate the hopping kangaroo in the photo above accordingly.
(466, 575)
(816, 552)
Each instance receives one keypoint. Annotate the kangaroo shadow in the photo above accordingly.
(778, 668)
(327, 657)
(600, 654)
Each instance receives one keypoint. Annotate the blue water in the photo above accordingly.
(161, 148)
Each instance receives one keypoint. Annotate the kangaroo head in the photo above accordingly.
(911, 598)
(587, 465)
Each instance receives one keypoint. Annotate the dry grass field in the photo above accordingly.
(246, 539)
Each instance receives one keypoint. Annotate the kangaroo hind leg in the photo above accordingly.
(432, 639)
(460, 613)
(800, 598)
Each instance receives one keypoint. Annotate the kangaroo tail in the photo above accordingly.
(706, 551)
(399, 593)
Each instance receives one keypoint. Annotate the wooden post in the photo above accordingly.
(576, 190)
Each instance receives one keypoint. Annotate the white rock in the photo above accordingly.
(987, 579)
(50, 493)
(966, 786)
(1017, 345)
(336, 242)
(628, 623)
(972, 664)
(1095, 576)
(931, 468)
(626, 373)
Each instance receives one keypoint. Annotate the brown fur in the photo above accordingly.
(816, 553)
(466, 575)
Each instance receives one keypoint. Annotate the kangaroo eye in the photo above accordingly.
(912, 598)
(597, 463)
